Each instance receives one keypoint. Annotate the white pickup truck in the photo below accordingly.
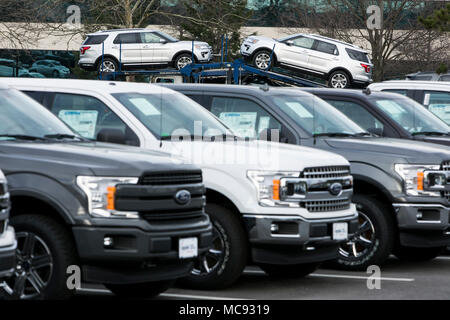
(284, 208)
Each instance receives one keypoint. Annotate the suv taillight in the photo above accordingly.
(84, 49)
(366, 67)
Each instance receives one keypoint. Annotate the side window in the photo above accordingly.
(326, 47)
(304, 42)
(244, 117)
(358, 114)
(438, 102)
(90, 117)
(35, 95)
(127, 38)
(149, 37)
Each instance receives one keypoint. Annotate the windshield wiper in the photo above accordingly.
(363, 134)
(60, 136)
(333, 134)
(21, 137)
(430, 133)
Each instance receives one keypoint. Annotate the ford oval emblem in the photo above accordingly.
(335, 189)
(183, 197)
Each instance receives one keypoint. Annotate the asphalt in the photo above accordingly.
(399, 280)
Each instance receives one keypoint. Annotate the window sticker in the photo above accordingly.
(243, 123)
(145, 106)
(300, 110)
(82, 121)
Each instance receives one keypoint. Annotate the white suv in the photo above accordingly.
(139, 48)
(270, 204)
(341, 64)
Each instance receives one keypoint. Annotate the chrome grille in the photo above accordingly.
(446, 167)
(326, 172)
(327, 205)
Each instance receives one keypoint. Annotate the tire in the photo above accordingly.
(223, 264)
(109, 65)
(140, 290)
(339, 80)
(56, 253)
(289, 271)
(182, 60)
(261, 59)
(417, 254)
(374, 240)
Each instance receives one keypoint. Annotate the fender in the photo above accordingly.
(388, 185)
(65, 201)
(340, 68)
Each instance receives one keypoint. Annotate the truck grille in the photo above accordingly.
(326, 172)
(159, 179)
(327, 206)
(446, 167)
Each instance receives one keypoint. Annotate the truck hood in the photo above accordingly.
(409, 150)
(261, 38)
(438, 140)
(189, 43)
(91, 158)
(254, 155)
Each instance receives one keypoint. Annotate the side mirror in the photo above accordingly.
(290, 43)
(273, 135)
(162, 41)
(111, 136)
(376, 131)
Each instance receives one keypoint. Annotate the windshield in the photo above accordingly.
(412, 116)
(168, 37)
(316, 116)
(22, 116)
(172, 114)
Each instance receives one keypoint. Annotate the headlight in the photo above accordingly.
(414, 179)
(101, 193)
(201, 46)
(252, 41)
(278, 188)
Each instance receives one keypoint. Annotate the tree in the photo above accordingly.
(440, 19)
(210, 20)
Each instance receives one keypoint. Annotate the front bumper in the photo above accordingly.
(423, 225)
(8, 245)
(203, 55)
(136, 255)
(295, 240)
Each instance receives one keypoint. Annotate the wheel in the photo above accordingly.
(417, 254)
(44, 252)
(140, 290)
(108, 65)
(183, 60)
(339, 80)
(223, 264)
(55, 74)
(289, 271)
(373, 242)
(261, 59)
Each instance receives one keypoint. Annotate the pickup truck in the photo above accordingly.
(130, 219)
(400, 186)
(284, 208)
(8, 241)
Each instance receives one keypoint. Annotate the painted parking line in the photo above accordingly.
(443, 258)
(168, 295)
(341, 276)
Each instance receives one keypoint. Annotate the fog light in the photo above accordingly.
(274, 228)
(108, 242)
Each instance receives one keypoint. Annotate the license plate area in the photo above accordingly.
(187, 248)
(340, 231)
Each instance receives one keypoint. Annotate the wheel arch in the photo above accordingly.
(274, 55)
(177, 54)
(340, 69)
(99, 59)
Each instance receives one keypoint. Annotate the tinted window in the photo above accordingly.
(399, 91)
(445, 78)
(125, 38)
(89, 116)
(36, 95)
(326, 47)
(95, 39)
(358, 55)
(360, 115)
(244, 117)
(304, 42)
(422, 78)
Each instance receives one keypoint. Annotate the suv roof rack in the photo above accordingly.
(119, 30)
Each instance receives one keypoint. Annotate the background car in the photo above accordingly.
(50, 68)
(139, 48)
(341, 64)
(428, 76)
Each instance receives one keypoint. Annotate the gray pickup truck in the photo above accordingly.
(400, 187)
(8, 241)
(124, 217)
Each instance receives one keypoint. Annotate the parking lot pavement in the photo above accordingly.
(399, 280)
